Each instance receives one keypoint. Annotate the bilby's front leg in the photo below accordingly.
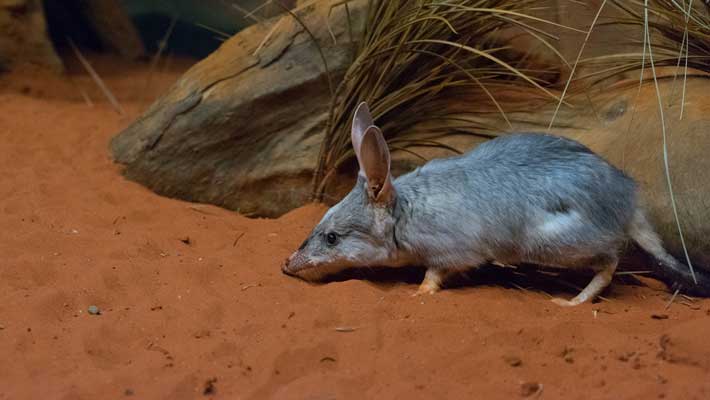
(600, 281)
(432, 281)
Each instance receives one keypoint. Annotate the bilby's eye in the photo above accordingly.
(331, 239)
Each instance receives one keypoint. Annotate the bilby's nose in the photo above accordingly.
(285, 264)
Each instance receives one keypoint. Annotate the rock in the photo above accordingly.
(210, 387)
(568, 355)
(23, 35)
(513, 361)
(113, 27)
(622, 124)
(242, 128)
(625, 128)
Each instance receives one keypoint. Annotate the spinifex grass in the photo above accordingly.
(680, 31)
(433, 68)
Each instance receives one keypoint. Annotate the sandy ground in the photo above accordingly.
(193, 302)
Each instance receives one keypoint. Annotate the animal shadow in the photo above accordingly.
(526, 276)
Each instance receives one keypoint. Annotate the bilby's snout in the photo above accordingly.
(286, 263)
(294, 263)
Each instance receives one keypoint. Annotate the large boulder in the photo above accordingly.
(242, 128)
(624, 125)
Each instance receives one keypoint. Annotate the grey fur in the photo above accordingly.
(520, 198)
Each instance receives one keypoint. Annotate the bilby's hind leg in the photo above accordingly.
(433, 279)
(600, 281)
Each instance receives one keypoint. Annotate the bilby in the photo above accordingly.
(519, 198)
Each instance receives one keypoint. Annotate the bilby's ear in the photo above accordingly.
(361, 121)
(374, 159)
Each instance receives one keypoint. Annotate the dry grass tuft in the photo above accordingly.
(421, 65)
(680, 32)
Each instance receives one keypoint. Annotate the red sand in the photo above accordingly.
(215, 316)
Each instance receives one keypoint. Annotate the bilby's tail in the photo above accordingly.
(669, 270)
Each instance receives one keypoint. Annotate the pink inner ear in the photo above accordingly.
(375, 166)
(361, 121)
(374, 157)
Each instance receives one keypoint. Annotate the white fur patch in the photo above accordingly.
(556, 224)
(380, 221)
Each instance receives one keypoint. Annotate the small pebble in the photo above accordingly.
(93, 310)
(210, 387)
(567, 354)
(513, 361)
